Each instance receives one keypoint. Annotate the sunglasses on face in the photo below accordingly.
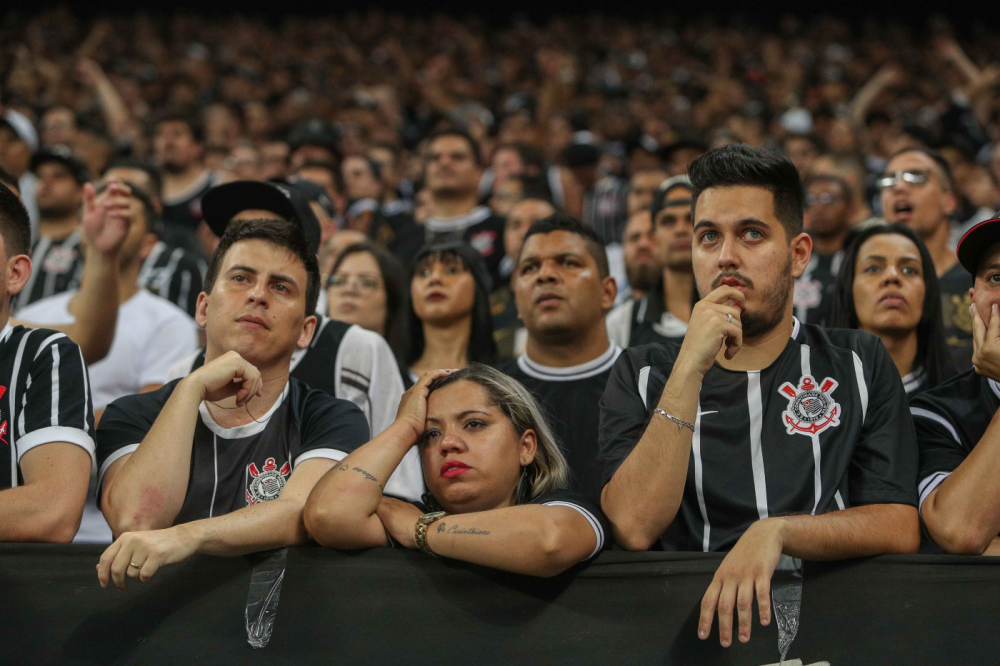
(888, 180)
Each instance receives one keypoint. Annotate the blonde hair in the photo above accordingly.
(548, 470)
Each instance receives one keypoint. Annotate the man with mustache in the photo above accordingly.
(661, 314)
(759, 435)
(222, 461)
(563, 289)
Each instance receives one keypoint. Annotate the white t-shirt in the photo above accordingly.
(151, 334)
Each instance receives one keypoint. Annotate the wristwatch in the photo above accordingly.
(420, 531)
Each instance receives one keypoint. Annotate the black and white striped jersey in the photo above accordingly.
(56, 266)
(351, 363)
(480, 228)
(950, 420)
(813, 295)
(232, 468)
(175, 274)
(44, 396)
(824, 427)
(570, 398)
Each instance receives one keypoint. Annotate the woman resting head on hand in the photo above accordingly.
(494, 472)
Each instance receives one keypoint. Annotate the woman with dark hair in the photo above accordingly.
(449, 321)
(887, 285)
(494, 473)
(367, 287)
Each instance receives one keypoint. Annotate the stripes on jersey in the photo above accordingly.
(602, 363)
(57, 266)
(173, 273)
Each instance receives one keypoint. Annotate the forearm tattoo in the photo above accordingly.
(455, 529)
(367, 475)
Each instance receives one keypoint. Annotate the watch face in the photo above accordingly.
(431, 516)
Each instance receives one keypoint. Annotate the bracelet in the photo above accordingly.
(681, 423)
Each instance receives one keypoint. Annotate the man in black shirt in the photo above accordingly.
(957, 424)
(454, 169)
(46, 419)
(202, 464)
(177, 143)
(563, 289)
(691, 463)
(917, 190)
(828, 208)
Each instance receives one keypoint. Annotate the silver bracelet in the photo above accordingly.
(681, 423)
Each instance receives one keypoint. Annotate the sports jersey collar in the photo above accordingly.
(460, 223)
(796, 327)
(5, 332)
(915, 379)
(255, 427)
(600, 364)
(996, 387)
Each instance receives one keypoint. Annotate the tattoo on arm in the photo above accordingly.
(455, 529)
(365, 474)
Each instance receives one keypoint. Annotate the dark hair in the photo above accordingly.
(280, 232)
(15, 227)
(8, 179)
(477, 155)
(482, 346)
(932, 352)
(939, 160)
(813, 140)
(566, 222)
(150, 169)
(178, 116)
(396, 287)
(738, 164)
(830, 179)
(534, 187)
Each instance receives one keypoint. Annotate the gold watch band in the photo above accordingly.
(420, 531)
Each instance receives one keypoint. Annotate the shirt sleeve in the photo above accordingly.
(883, 468)
(175, 339)
(368, 356)
(330, 428)
(624, 412)
(186, 283)
(589, 510)
(124, 425)
(939, 442)
(55, 405)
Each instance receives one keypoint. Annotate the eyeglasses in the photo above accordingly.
(888, 180)
(362, 283)
(824, 199)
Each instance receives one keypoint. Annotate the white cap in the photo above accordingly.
(23, 127)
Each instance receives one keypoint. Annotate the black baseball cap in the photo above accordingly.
(64, 156)
(314, 132)
(977, 241)
(667, 186)
(222, 203)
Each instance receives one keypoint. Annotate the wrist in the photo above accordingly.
(192, 534)
(777, 528)
(402, 434)
(191, 387)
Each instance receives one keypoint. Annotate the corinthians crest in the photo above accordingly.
(811, 408)
(266, 483)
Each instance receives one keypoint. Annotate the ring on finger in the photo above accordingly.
(729, 318)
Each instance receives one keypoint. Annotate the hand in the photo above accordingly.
(986, 343)
(399, 519)
(148, 550)
(710, 328)
(106, 217)
(227, 376)
(413, 405)
(747, 567)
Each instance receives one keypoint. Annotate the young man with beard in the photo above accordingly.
(57, 263)
(662, 313)
(822, 432)
(177, 144)
(46, 422)
(917, 190)
(222, 461)
(827, 220)
(563, 290)
(453, 171)
(957, 421)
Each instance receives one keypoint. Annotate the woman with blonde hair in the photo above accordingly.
(495, 477)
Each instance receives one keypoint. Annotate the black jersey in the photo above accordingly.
(570, 397)
(605, 208)
(182, 214)
(950, 420)
(44, 396)
(175, 274)
(397, 232)
(813, 293)
(56, 266)
(589, 509)
(480, 228)
(955, 303)
(232, 468)
(824, 427)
